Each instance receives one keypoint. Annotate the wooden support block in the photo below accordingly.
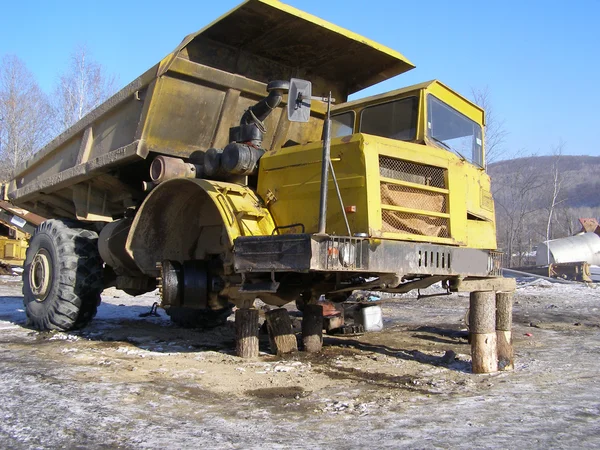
(473, 284)
(504, 307)
(482, 312)
(246, 332)
(312, 328)
(482, 326)
(506, 358)
(484, 353)
(281, 335)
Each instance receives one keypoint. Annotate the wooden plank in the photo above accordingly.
(484, 284)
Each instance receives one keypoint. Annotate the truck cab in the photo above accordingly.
(429, 113)
(410, 166)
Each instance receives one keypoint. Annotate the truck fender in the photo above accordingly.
(189, 219)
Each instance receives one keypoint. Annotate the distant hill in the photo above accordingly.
(581, 176)
(523, 190)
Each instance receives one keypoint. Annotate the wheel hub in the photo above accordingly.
(40, 274)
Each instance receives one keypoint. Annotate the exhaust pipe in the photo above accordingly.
(164, 168)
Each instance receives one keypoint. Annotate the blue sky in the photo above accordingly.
(540, 59)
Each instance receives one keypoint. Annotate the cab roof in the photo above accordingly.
(466, 106)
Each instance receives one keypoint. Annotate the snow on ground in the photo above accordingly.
(139, 382)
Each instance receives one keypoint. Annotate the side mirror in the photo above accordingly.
(299, 99)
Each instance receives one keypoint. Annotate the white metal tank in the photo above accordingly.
(582, 247)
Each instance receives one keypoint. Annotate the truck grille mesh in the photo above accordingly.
(398, 195)
(411, 172)
(392, 194)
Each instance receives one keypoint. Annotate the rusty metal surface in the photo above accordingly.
(277, 253)
(305, 252)
(576, 271)
(34, 219)
(573, 271)
(589, 225)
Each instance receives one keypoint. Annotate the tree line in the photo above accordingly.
(30, 118)
(537, 198)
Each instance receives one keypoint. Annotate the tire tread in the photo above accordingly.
(79, 279)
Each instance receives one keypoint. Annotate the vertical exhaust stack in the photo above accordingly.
(241, 155)
(252, 129)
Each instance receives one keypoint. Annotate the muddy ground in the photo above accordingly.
(131, 382)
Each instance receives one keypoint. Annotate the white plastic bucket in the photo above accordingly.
(370, 317)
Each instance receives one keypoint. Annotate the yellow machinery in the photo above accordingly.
(16, 227)
(12, 251)
(218, 176)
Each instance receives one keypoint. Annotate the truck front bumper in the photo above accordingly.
(310, 253)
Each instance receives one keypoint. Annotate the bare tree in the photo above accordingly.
(495, 132)
(557, 180)
(24, 115)
(516, 195)
(81, 88)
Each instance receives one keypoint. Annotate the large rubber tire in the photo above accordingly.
(198, 318)
(62, 276)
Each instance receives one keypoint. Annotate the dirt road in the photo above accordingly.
(132, 382)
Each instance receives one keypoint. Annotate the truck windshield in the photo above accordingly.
(395, 120)
(454, 131)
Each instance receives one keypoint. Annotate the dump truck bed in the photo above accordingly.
(186, 104)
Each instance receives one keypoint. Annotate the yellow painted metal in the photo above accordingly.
(308, 46)
(470, 203)
(185, 218)
(421, 90)
(289, 179)
(242, 212)
(414, 185)
(12, 251)
(421, 212)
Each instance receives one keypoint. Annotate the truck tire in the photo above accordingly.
(198, 318)
(62, 276)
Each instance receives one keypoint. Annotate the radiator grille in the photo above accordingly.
(411, 172)
(397, 222)
(406, 197)
(411, 209)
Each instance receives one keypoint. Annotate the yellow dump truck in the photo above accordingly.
(192, 178)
